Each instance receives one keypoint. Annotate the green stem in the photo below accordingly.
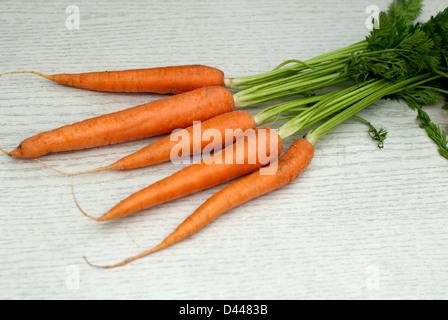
(242, 99)
(293, 61)
(305, 89)
(334, 103)
(342, 102)
(434, 89)
(314, 135)
(278, 119)
(379, 136)
(327, 69)
(279, 73)
(266, 114)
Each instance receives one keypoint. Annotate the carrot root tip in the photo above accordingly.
(122, 263)
(73, 174)
(33, 72)
(94, 265)
(5, 152)
(80, 209)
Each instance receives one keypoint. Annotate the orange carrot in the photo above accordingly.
(162, 150)
(147, 120)
(256, 149)
(295, 160)
(175, 79)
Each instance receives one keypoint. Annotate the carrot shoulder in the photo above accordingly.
(295, 160)
(151, 119)
(173, 79)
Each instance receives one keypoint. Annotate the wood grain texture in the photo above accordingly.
(356, 213)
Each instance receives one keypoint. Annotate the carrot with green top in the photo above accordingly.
(290, 165)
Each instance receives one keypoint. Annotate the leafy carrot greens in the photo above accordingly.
(401, 60)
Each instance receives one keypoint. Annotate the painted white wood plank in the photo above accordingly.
(357, 215)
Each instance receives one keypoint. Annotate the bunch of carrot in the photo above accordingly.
(201, 94)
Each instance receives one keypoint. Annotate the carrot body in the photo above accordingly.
(234, 161)
(295, 160)
(161, 151)
(147, 120)
(175, 79)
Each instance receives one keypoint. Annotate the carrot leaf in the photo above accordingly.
(434, 132)
(377, 135)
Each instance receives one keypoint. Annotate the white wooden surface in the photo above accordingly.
(360, 223)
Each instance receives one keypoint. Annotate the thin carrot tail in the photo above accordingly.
(122, 263)
(5, 152)
(76, 173)
(82, 211)
(33, 72)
